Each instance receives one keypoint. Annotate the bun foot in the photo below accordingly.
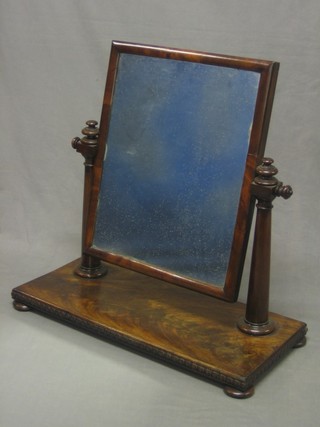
(301, 343)
(238, 394)
(20, 307)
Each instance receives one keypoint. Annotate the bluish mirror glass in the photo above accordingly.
(176, 154)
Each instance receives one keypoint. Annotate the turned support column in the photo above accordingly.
(265, 188)
(90, 266)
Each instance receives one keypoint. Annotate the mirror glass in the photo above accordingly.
(173, 168)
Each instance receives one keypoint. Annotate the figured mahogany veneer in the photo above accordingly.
(176, 325)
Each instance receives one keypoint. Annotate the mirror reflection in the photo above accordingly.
(176, 153)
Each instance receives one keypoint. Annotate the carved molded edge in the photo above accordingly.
(165, 356)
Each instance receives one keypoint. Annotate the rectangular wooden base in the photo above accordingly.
(181, 327)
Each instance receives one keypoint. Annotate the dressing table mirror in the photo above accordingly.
(172, 176)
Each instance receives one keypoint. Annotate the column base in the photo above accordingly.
(256, 329)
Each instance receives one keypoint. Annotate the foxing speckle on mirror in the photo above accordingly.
(176, 146)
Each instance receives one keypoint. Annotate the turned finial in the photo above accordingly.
(266, 186)
(87, 145)
(266, 173)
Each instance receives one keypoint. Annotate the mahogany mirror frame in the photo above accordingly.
(268, 71)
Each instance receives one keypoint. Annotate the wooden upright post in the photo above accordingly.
(90, 266)
(265, 188)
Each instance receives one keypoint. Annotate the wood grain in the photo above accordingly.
(179, 326)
